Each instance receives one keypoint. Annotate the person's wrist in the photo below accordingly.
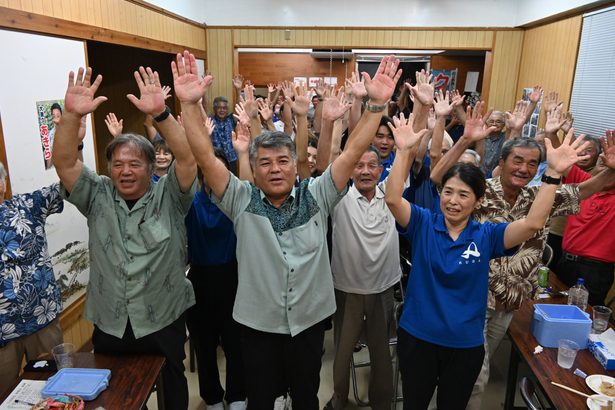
(375, 106)
(162, 115)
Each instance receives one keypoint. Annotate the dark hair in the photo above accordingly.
(384, 120)
(138, 142)
(162, 144)
(56, 106)
(272, 140)
(470, 175)
(313, 142)
(521, 142)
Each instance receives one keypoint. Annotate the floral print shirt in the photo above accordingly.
(513, 279)
(29, 296)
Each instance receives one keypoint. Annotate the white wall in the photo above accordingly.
(369, 13)
(35, 68)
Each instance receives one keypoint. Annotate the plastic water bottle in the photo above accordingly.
(578, 294)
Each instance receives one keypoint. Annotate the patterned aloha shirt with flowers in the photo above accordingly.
(513, 279)
(29, 296)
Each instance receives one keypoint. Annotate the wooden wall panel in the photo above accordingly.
(118, 15)
(549, 58)
(505, 68)
(264, 68)
(220, 62)
(353, 37)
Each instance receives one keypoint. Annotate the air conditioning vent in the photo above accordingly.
(325, 54)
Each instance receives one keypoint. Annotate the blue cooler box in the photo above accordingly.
(86, 383)
(554, 322)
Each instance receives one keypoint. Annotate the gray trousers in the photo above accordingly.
(371, 316)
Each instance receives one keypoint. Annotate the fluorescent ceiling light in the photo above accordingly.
(274, 50)
(396, 52)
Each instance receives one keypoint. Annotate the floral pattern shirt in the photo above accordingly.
(29, 295)
(513, 279)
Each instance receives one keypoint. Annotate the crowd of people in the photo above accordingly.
(253, 229)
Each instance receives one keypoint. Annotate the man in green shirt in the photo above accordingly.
(138, 291)
(285, 287)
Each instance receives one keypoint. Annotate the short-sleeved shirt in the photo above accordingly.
(285, 282)
(137, 256)
(446, 297)
(590, 233)
(29, 295)
(365, 253)
(513, 280)
(493, 149)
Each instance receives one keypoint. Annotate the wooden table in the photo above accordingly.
(544, 365)
(132, 379)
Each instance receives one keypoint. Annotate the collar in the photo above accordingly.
(464, 236)
(289, 199)
(141, 202)
(354, 193)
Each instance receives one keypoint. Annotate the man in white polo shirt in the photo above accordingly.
(365, 266)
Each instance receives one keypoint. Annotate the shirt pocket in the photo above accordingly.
(307, 237)
(153, 232)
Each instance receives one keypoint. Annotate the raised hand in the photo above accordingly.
(475, 128)
(456, 98)
(423, 90)
(608, 149)
(516, 119)
(264, 109)
(241, 138)
(241, 115)
(554, 120)
(249, 103)
(550, 101)
(114, 126)
(238, 81)
(356, 86)
(443, 106)
(287, 90)
(166, 91)
(534, 96)
(320, 89)
(301, 104)
(381, 87)
(431, 119)
(334, 106)
(189, 88)
(567, 154)
(79, 97)
(151, 99)
(568, 121)
(404, 134)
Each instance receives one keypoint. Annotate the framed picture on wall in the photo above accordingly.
(49, 113)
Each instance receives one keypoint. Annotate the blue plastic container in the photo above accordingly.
(554, 322)
(85, 383)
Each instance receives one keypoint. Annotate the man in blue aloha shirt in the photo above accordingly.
(30, 299)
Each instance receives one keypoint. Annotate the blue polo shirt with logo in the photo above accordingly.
(446, 299)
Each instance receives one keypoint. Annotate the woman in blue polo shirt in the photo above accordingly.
(440, 339)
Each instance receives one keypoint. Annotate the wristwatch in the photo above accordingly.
(165, 114)
(550, 180)
(375, 108)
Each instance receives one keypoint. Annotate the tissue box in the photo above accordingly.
(602, 347)
(554, 322)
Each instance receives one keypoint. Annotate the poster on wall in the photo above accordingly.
(49, 114)
(445, 80)
(531, 127)
(28, 110)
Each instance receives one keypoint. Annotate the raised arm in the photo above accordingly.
(514, 121)
(78, 102)
(533, 98)
(558, 161)
(189, 89)
(334, 107)
(475, 130)
(406, 141)
(553, 124)
(241, 145)
(300, 107)
(151, 102)
(358, 92)
(443, 107)
(423, 94)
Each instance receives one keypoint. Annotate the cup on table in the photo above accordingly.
(602, 314)
(63, 355)
(566, 353)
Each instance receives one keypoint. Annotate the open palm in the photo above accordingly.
(80, 93)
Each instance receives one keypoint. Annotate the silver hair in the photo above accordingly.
(475, 154)
(138, 142)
